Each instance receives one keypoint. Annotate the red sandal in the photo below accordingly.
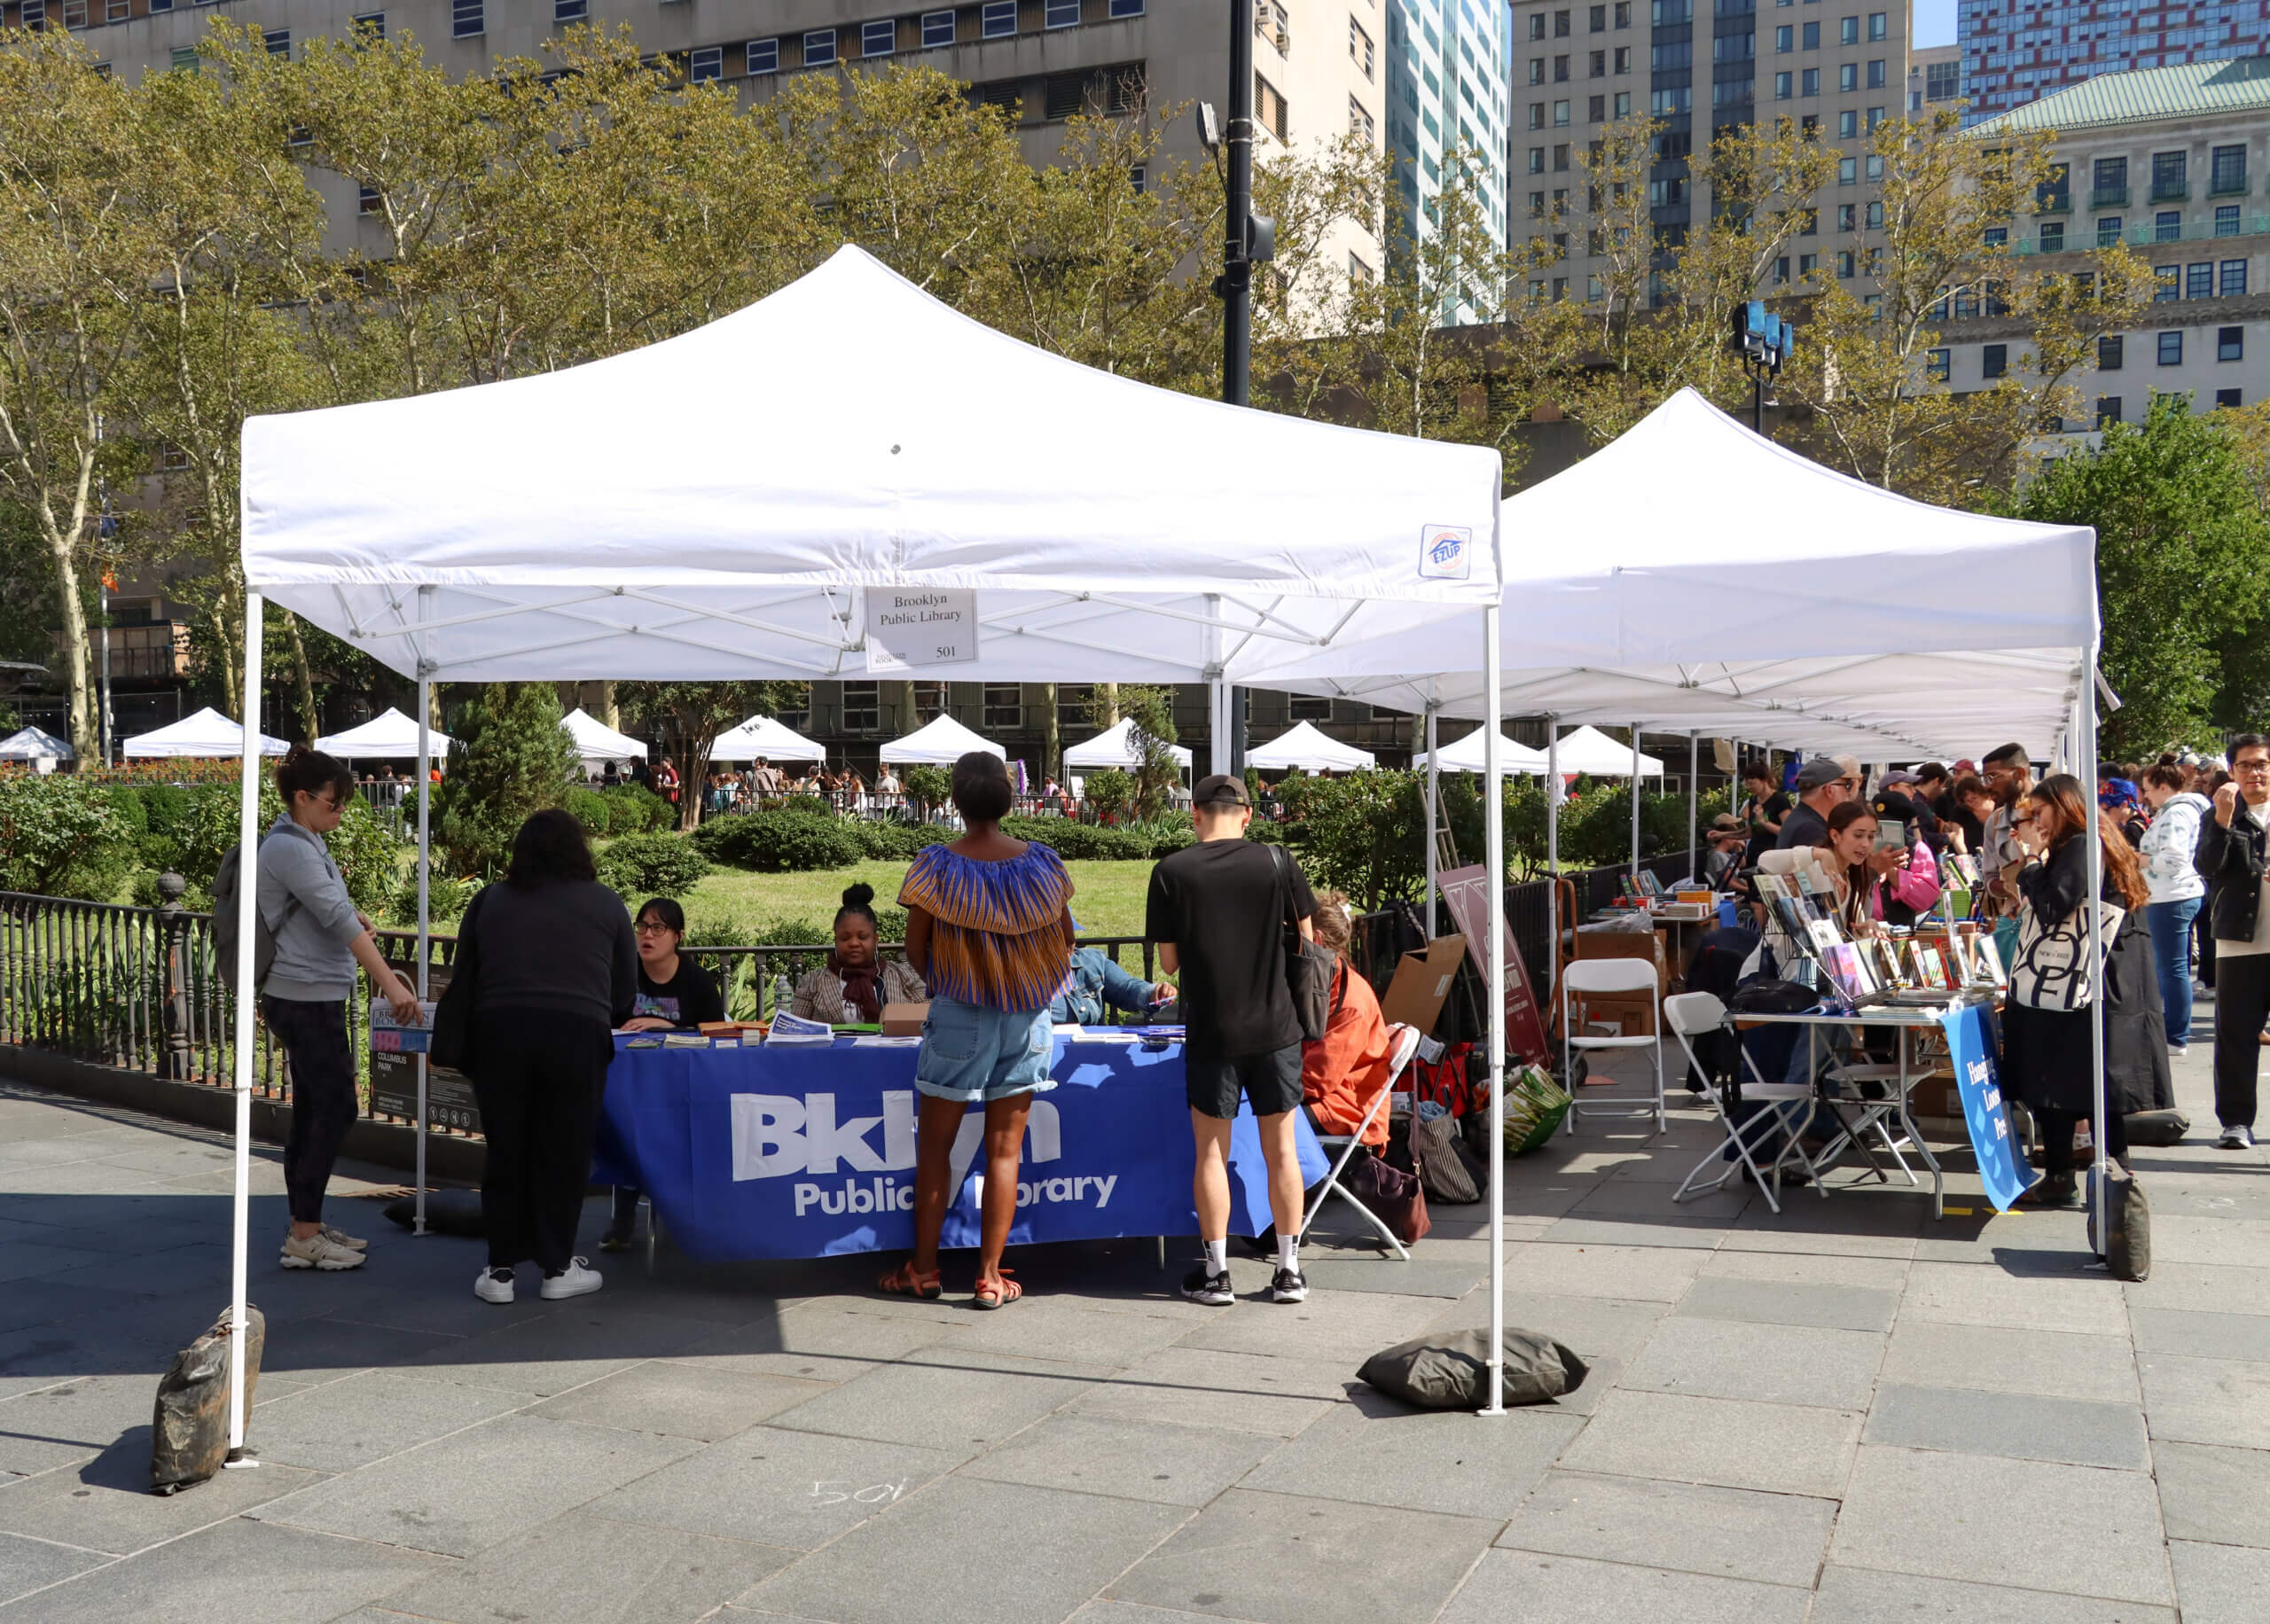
(906, 1281)
(996, 1293)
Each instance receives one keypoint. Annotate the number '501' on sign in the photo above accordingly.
(920, 626)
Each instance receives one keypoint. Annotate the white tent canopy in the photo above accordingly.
(1780, 600)
(389, 733)
(1465, 756)
(761, 735)
(1113, 747)
(34, 744)
(940, 743)
(206, 733)
(1302, 746)
(1589, 750)
(595, 741)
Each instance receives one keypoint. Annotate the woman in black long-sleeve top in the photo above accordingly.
(558, 971)
(2047, 1058)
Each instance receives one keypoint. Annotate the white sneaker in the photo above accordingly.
(2238, 1138)
(319, 1250)
(493, 1286)
(338, 1238)
(578, 1279)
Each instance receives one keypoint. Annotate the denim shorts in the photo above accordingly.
(971, 1053)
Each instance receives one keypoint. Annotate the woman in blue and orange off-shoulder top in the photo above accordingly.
(988, 927)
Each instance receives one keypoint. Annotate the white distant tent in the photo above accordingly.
(1302, 746)
(597, 742)
(390, 733)
(206, 733)
(1465, 756)
(938, 744)
(1588, 749)
(1114, 747)
(761, 735)
(42, 749)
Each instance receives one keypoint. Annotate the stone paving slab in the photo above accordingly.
(1376, 1450)
(1772, 1364)
(1571, 1591)
(2220, 1584)
(1136, 1460)
(1733, 1444)
(2020, 1425)
(1726, 1532)
(1997, 1359)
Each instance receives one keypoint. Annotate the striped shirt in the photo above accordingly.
(996, 940)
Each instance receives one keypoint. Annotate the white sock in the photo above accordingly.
(1217, 1256)
(1288, 1253)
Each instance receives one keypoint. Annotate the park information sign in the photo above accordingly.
(1466, 893)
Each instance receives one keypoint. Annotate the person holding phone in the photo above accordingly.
(2231, 860)
(1870, 877)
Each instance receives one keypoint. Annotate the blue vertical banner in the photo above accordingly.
(1970, 1050)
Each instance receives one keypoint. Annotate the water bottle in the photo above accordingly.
(783, 994)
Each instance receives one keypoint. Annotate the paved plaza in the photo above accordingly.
(1850, 1414)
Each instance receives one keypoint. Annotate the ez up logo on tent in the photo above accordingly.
(1445, 552)
(777, 1136)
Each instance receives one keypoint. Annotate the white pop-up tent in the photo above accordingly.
(205, 733)
(761, 735)
(387, 734)
(1588, 749)
(796, 532)
(596, 742)
(1113, 747)
(1302, 746)
(43, 749)
(1465, 756)
(940, 742)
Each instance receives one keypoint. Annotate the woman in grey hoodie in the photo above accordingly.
(2177, 891)
(320, 938)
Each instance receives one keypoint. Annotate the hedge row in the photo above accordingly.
(793, 839)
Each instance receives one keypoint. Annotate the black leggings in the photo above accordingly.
(2056, 1130)
(324, 1107)
(538, 1079)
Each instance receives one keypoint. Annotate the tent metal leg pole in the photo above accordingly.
(1493, 823)
(1694, 770)
(2087, 753)
(1635, 804)
(1434, 783)
(1553, 854)
(425, 869)
(247, 899)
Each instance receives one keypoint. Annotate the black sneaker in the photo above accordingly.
(1286, 1285)
(1212, 1289)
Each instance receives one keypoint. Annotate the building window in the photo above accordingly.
(2167, 283)
(2109, 349)
(1844, 264)
(1622, 13)
(1125, 8)
(1810, 82)
(1005, 705)
(2230, 343)
(1781, 86)
(1536, 70)
(878, 39)
(1848, 125)
(708, 62)
(2053, 237)
(1848, 216)
(1269, 108)
(762, 56)
(1942, 80)
(1060, 14)
(2226, 171)
(1622, 61)
(1559, 116)
(1359, 47)
(1875, 216)
(466, 19)
(1848, 76)
(367, 200)
(937, 30)
(1536, 26)
(1622, 105)
(2233, 280)
(1785, 39)
(1875, 73)
(1993, 360)
(1595, 109)
(183, 59)
(1359, 272)
(2170, 172)
(2107, 409)
(2172, 348)
(997, 19)
(1536, 160)
(2226, 400)
(1875, 117)
(863, 707)
(570, 10)
(2108, 232)
(1360, 120)
(1599, 65)
(819, 47)
(1560, 24)
(1878, 25)
(1560, 70)
(1848, 31)
(1300, 707)
(1559, 159)
(2167, 226)
(1812, 37)
(2199, 281)
(1939, 364)
(2226, 219)
(1848, 171)
(371, 23)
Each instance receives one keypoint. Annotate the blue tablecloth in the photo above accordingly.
(796, 1151)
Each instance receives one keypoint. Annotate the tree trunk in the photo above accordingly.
(84, 739)
(303, 678)
(902, 700)
(1051, 736)
(1106, 705)
(609, 712)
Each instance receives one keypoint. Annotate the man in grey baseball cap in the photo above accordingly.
(1821, 785)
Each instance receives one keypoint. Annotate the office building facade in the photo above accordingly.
(1698, 67)
(2015, 52)
(1448, 92)
(2174, 162)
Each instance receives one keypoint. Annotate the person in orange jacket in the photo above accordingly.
(1343, 1072)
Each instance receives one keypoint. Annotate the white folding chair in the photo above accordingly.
(1612, 975)
(1403, 1043)
(1689, 1015)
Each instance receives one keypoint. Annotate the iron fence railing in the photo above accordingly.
(139, 989)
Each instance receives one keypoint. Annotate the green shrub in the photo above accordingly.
(930, 788)
(1074, 841)
(447, 898)
(644, 865)
(778, 842)
(633, 808)
(1108, 793)
(511, 759)
(62, 835)
(894, 842)
(590, 808)
(166, 812)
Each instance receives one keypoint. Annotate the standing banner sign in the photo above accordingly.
(1466, 893)
(1970, 1050)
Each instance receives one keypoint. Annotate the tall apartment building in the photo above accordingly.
(1448, 89)
(2172, 160)
(1837, 69)
(1934, 76)
(2015, 50)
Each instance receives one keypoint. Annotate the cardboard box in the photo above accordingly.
(1630, 1014)
(1935, 1096)
(1422, 984)
(904, 1019)
(1626, 944)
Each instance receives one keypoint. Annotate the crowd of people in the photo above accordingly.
(549, 967)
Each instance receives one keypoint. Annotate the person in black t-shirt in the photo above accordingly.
(673, 992)
(1218, 911)
(1766, 804)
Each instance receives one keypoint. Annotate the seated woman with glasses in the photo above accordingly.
(674, 993)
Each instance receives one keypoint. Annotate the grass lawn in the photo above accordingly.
(1107, 898)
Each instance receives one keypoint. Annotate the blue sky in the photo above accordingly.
(1935, 23)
